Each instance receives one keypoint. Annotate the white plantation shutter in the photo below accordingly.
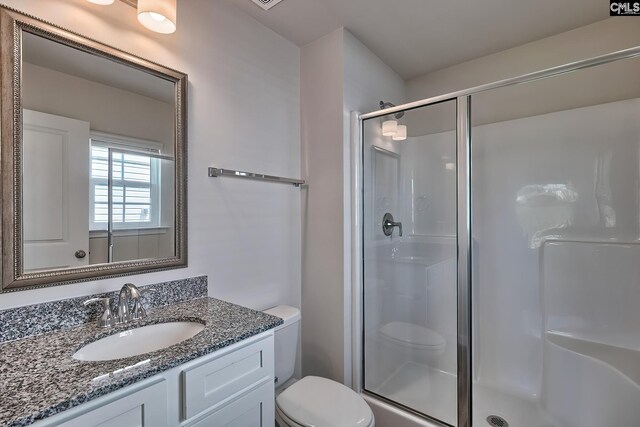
(136, 186)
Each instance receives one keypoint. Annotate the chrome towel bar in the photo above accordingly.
(216, 172)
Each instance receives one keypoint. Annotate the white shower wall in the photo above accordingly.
(565, 149)
(428, 212)
(429, 183)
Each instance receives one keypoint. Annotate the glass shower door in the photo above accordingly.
(410, 276)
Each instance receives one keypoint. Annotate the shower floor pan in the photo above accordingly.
(433, 392)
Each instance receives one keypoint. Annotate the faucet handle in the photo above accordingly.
(106, 320)
(139, 311)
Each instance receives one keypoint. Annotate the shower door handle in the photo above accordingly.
(388, 224)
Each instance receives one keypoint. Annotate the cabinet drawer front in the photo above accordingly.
(255, 409)
(143, 408)
(212, 383)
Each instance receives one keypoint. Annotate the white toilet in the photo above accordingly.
(311, 401)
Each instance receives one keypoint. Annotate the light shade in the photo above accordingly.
(102, 2)
(401, 134)
(158, 15)
(389, 127)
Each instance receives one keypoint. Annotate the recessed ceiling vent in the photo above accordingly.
(266, 4)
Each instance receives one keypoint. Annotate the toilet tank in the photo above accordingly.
(286, 341)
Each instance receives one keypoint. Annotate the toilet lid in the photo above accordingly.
(320, 402)
(412, 334)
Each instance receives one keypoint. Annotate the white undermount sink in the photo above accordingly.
(135, 341)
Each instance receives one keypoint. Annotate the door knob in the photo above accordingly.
(388, 224)
(80, 254)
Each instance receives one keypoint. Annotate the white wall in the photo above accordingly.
(136, 116)
(322, 207)
(339, 75)
(244, 113)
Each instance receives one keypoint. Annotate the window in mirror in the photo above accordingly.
(136, 186)
(139, 189)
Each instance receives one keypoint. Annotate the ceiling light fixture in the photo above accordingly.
(391, 127)
(401, 134)
(156, 15)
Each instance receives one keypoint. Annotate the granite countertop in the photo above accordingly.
(39, 378)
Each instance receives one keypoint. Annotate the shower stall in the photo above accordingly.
(497, 251)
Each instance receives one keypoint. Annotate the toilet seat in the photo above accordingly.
(285, 421)
(320, 402)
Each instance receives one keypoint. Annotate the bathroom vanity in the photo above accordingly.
(222, 376)
(230, 387)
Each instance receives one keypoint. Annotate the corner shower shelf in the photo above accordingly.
(216, 172)
(624, 360)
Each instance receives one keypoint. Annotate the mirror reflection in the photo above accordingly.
(98, 159)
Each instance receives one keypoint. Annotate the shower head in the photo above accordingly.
(384, 105)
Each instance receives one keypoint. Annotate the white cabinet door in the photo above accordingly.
(55, 191)
(213, 382)
(143, 408)
(255, 409)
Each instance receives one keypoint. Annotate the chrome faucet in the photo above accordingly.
(130, 292)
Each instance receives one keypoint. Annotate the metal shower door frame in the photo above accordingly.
(464, 232)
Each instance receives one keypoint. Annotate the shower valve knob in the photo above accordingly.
(388, 224)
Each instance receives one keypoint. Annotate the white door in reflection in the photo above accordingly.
(55, 191)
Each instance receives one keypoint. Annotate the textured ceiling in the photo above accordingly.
(415, 37)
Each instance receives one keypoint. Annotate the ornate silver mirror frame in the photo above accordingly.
(12, 25)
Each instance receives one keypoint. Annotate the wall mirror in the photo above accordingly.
(93, 158)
